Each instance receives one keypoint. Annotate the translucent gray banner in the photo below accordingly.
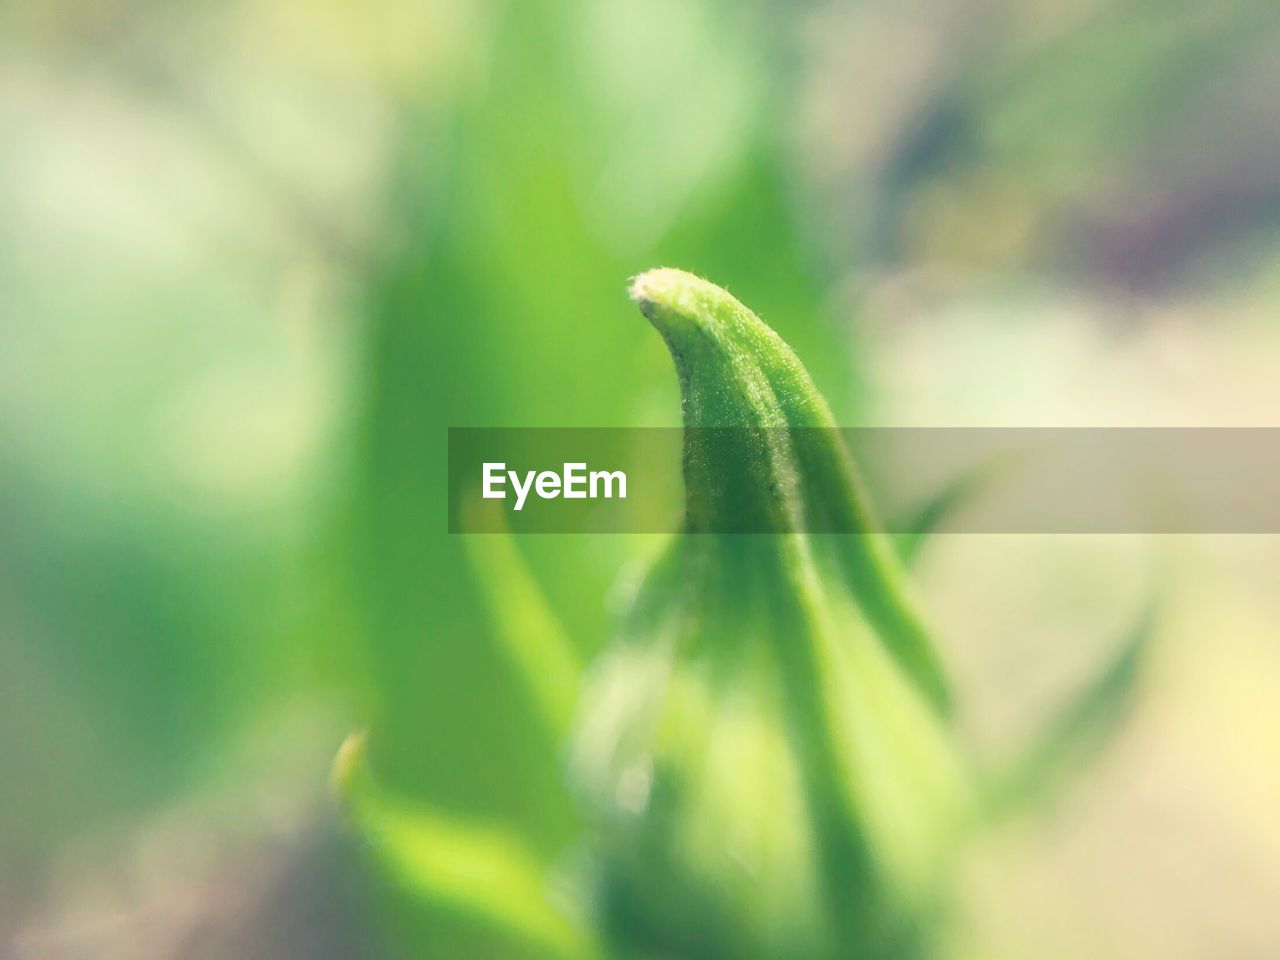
(990, 480)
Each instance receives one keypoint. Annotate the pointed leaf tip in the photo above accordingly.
(676, 300)
(782, 466)
(661, 286)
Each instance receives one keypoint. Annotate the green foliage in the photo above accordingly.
(764, 744)
(764, 753)
(492, 303)
(485, 876)
(1078, 730)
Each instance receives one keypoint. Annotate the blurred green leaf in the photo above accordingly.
(483, 874)
(1080, 729)
(932, 516)
(527, 629)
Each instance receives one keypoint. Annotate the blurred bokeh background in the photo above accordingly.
(256, 256)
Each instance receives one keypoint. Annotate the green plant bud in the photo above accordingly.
(765, 746)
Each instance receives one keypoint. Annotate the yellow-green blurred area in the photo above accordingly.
(256, 257)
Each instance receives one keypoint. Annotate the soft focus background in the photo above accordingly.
(256, 256)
